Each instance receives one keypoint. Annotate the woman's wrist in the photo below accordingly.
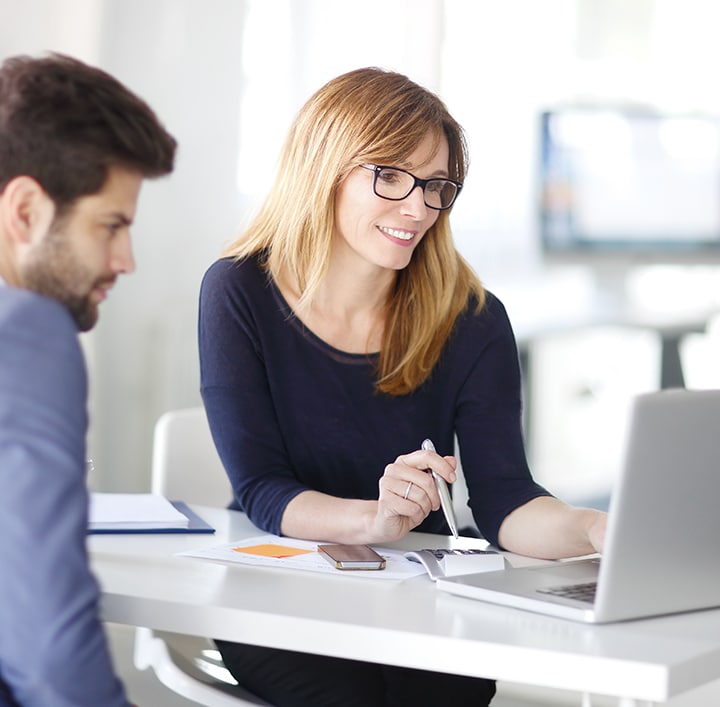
(368, 521)
(312, 515)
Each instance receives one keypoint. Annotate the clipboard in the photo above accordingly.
(195, 525)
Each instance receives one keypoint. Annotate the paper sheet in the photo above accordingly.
(289, 553)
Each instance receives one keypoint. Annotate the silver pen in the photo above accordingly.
(445, 497)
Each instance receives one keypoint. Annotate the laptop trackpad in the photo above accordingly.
(569, 572)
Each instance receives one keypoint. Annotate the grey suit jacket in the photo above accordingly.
(53, 651)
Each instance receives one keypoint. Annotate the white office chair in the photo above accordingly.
(186, 467)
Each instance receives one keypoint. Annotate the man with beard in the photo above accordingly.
(75, 146)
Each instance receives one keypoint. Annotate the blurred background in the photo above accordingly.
(601, 237)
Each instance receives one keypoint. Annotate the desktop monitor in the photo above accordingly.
(623, 186)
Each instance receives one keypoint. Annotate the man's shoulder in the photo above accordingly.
(40, 345)
(22, 311)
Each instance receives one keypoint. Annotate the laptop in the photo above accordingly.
(662, 548)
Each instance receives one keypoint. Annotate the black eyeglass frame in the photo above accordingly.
(422, 183)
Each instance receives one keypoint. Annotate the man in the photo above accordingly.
(75, 145)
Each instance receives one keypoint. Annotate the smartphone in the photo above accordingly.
(352, 557)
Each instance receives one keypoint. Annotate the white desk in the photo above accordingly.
(406, 623)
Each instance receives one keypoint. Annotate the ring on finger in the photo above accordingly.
(407, 490)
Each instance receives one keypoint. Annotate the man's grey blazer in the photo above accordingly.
(52, 647)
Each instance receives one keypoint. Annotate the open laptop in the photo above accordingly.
(662, 548)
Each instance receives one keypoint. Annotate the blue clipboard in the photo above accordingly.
(196, 525)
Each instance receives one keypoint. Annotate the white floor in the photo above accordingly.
(146, 691)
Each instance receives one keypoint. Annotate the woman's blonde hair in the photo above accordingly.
(367, 116)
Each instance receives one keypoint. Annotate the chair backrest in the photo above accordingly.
(185, 465)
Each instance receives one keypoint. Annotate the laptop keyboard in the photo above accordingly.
(584, 591)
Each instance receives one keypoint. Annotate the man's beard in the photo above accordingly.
(55, 271)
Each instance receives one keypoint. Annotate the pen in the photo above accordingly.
(445, 498)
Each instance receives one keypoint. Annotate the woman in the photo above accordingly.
(340, 330)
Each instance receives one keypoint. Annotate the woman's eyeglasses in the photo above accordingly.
(396, 184)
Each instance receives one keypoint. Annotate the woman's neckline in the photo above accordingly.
(295, 320)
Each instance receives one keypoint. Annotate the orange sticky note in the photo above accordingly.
(270, 550)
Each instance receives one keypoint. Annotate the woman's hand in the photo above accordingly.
(408, 493)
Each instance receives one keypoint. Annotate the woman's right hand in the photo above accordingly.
(408, 493)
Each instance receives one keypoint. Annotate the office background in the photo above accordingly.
(226, 76)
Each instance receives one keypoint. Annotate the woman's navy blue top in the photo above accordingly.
(290, 413)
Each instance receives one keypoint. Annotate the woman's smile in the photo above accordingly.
(398, 233)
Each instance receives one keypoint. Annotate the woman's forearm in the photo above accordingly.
(312, 515)
(548, 528)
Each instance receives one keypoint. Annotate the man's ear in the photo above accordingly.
(26, 210)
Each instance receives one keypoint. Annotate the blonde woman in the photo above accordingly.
(341, 329)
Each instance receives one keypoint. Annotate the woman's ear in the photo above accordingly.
(26, 211)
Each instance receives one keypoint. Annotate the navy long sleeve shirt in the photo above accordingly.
(290, 413)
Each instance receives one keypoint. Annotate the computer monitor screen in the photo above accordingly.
(629, 182)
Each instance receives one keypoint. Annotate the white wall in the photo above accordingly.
(184, 58)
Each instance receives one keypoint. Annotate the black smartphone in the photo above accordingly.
(352, 557)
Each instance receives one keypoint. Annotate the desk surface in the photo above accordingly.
(408, 623)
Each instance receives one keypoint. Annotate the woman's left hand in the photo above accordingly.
(596, 531)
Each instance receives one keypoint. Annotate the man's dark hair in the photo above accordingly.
(65, 123)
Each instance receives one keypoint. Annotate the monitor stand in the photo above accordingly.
(611, 297)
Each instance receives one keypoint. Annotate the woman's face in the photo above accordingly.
(372, 231)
